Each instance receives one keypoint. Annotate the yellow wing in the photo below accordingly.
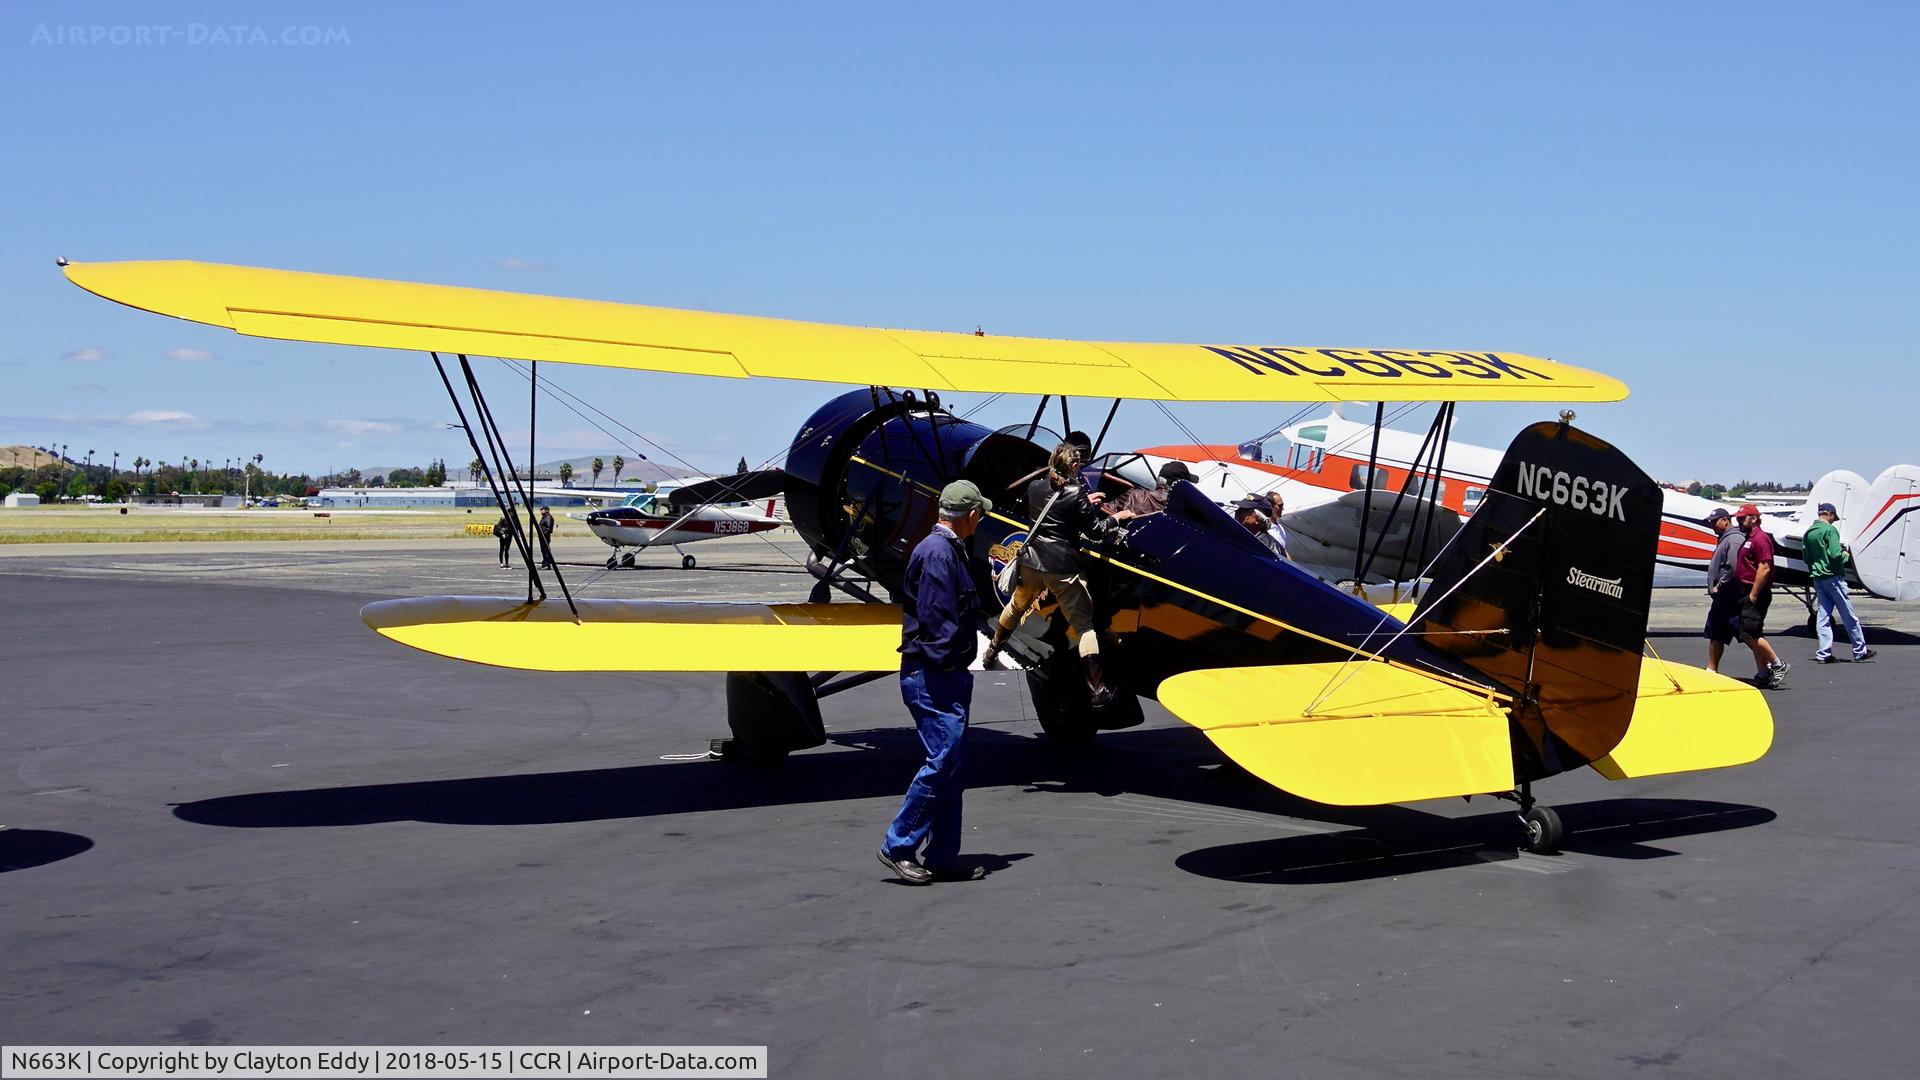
(1386, 735)
(1707, 721)
(641, 635)
(439, 318)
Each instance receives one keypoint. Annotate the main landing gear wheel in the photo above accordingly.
(1061, 705)
(1542, 829)
(626, 560)
(686, 562)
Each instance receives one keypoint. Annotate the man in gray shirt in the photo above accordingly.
(1723, 607)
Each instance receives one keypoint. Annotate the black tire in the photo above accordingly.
(1122, 712)
(613, 561)
(627, 560)
(686, 562)
(1541, 830)
(1067, 720)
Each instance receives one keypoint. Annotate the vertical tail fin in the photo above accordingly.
(1846, 490)
(1886, 547)
(1559, 615)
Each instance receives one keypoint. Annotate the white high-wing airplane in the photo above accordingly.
(699, 509)
(1322, 474)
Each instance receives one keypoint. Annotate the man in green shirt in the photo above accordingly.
(1827, 566)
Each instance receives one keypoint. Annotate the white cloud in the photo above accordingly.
(172, 419)
(167, 417)
(363, 428)
(189, 356)
(508, 262)
(88, 388)
(88, 355)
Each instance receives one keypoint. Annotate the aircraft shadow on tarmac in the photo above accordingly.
(1172, 764)
(24, 849)
(1609, 828)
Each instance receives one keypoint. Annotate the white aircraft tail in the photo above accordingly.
(1847, 491)
(1886, 540)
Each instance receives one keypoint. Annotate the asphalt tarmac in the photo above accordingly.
(234, 815)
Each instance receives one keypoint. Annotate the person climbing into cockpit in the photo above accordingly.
(1063, 512)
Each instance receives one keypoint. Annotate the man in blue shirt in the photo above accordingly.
(939, 635)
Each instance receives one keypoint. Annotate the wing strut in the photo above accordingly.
(1440, 482)
(1037, 414)
(1102, 437)
(1366, 500)
(1434, 431)
(502, 496)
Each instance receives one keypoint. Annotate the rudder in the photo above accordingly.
(1886, 550)
(1559, 616)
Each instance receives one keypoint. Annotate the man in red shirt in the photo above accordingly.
(1753, 571)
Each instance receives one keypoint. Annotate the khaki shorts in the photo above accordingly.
(1069, 591)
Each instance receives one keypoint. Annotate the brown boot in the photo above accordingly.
(1097, 690)
(991, 658)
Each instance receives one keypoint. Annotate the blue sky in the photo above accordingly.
(1713, 202)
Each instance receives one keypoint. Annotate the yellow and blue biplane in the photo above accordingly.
(1524, 658)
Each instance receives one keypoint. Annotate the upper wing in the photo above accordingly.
(642, 635)
(439, 318)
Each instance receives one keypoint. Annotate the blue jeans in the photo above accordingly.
(1832, 594)
(930, 815)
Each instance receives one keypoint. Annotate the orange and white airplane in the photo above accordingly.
(1321, 471)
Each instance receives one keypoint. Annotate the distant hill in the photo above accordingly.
(25, 457)
(635, 472)
(634, 475)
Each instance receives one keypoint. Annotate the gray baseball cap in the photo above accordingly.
(962, 496)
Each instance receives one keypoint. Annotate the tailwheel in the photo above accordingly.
(1542, 829)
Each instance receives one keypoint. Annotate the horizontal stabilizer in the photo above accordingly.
(741, 487)
(1688, 718)
(400, 315)
(1385, 735)
(644, 635)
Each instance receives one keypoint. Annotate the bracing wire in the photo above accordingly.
(1351, 666)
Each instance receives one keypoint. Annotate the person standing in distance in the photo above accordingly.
(939, 633)
(546, 539)
(1827, 565)
(503, 532)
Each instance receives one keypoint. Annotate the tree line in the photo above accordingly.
(77, 478)
(1742, 489)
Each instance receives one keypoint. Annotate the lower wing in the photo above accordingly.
(644, 635)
